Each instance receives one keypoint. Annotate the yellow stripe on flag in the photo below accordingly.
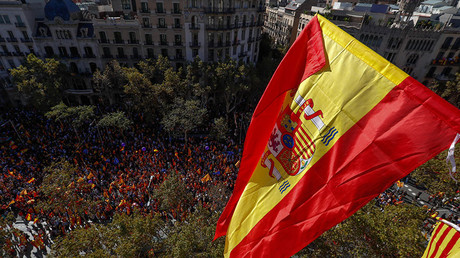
(348, 63)
(444, 242)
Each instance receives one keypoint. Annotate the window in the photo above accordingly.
(144, 7)
(49, 51)
(194, 52)
(179, 54)
(176, 8)
(103, 37)
(135, 52)
(2, 21)
(178, 40)
(121, 52)
(146, 22)
(150, 53)
(176, 23)
(211, 55)
(163, 39)
(11, 34)
(148, 39)
(164, 52)
(74, 52)
(19, 20)
(25, 35)
(456, 45)
(6, 18)
(160, 8)
(17, 49)
(106, 52)
(117, 36)
(161, 23)
(88, 52)
(243, 34)
(446, 43)
(125, 4)
(62, 52)
(132, 38)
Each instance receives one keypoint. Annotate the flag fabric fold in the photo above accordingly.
(444, 241)
(336, 126)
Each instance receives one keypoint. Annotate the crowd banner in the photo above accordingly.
(337, 125)
(444, 241)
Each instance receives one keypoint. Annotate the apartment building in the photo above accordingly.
(17, 21)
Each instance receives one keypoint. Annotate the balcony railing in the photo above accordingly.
(2, 40)
(12, 39)
(149, 43)
(26, 40)
(177, 43)
(107, 56)
(89, 56)
(219, 10)
(163, 43)
(133, 41)
(122, 56)
(136, 56)
(20, 24)
(118, 41)
(104, 41)
(176, 11)
(145, 10)
(195, 44)
(146, 26)
(194, 26)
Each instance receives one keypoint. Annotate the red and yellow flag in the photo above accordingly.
(337, 125)
(444, 241)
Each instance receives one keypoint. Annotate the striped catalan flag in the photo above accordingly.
(444, 241)
(336, 126)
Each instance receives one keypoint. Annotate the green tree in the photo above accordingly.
(193, 237)
(63, 189)
(172, 193)
(220, 128)
(41, 82)
(371, 232)
(136, 235)
(183, 116)
(115, 120)
(109, 83)
(435, 175)
(450, 90)
(78, 115)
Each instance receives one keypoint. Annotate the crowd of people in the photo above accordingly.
(117, 171)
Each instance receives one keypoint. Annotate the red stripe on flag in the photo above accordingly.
(287, 76)
(433, 235)
(440, 240)
(364, 162)
(450, 245)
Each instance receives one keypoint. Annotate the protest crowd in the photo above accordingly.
(121, 170)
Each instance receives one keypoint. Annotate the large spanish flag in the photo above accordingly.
(336, 126)
(444, 241)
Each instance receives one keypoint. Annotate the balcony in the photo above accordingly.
(133, 41)
(107, 56)
(23, 40)
(2, 40)
(236, 42)
(104, 41)
(122, 56)
(194, 26)
(20, 24)
(261, 9)
(243, 54)
(177, 26)
(163, 43)
(118, 41)
(136, 57)
(146, 26)
(178, 58)
(250, 39)
(12, 39)
(219, 10)
(145, 10)
(160, 11)
(77, 56)
(195, 44)
(218, 27)
(162, 26)
(89, 56)
(149, 43)
(178, 43)
(176, 11)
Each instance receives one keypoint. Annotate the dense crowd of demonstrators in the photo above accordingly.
(122, 169)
